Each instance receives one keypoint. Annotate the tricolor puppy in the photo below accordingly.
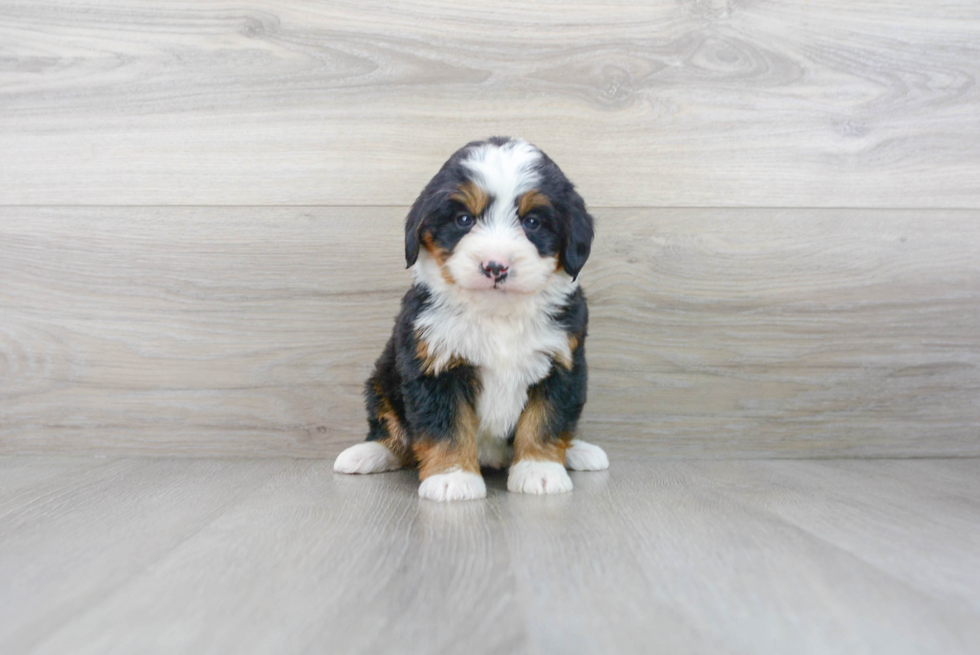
(486, 366)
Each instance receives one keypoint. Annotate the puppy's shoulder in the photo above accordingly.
(573, 314)
(414, 302)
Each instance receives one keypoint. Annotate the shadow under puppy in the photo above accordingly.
(486, 365)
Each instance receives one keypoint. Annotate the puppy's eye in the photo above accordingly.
(531, 223)
(464, 220)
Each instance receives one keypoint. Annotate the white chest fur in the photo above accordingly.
(511, 341)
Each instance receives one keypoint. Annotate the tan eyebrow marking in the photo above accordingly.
(530, 200)
(472, 197)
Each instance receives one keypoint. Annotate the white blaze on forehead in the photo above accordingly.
(504, 172)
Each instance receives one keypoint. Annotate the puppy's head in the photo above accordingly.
(499, 217)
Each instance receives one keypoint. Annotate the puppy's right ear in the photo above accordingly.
(413, 228)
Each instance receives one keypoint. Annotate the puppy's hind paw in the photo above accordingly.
(530, 477)
(367, 457)
(453, 485)
(583, 456)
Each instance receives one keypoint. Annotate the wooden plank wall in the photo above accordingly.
(200, 208)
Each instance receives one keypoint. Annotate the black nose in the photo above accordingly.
(495, 270)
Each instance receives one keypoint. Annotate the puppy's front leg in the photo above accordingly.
(539, 453)
(448, 463)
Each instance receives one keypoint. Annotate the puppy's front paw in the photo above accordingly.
(583, 456)
(530, 477)
(367, 457)
(453, 485)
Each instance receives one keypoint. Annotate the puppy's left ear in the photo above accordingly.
(578, 237)
(413, 227)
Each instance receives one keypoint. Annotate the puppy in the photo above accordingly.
(486, 365)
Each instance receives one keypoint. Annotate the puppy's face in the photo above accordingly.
(499, 217)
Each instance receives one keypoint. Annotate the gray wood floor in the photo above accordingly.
(172, 555)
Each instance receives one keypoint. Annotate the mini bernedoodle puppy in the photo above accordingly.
(486, 365)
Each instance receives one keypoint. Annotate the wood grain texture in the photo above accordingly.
(272, 556)
(719, 333)
(694, 103)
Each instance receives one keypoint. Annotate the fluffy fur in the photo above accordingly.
(486, 364)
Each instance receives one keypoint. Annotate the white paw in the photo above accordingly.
(453, 485)
(530, 477)
(367, 457)
(583, 456)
